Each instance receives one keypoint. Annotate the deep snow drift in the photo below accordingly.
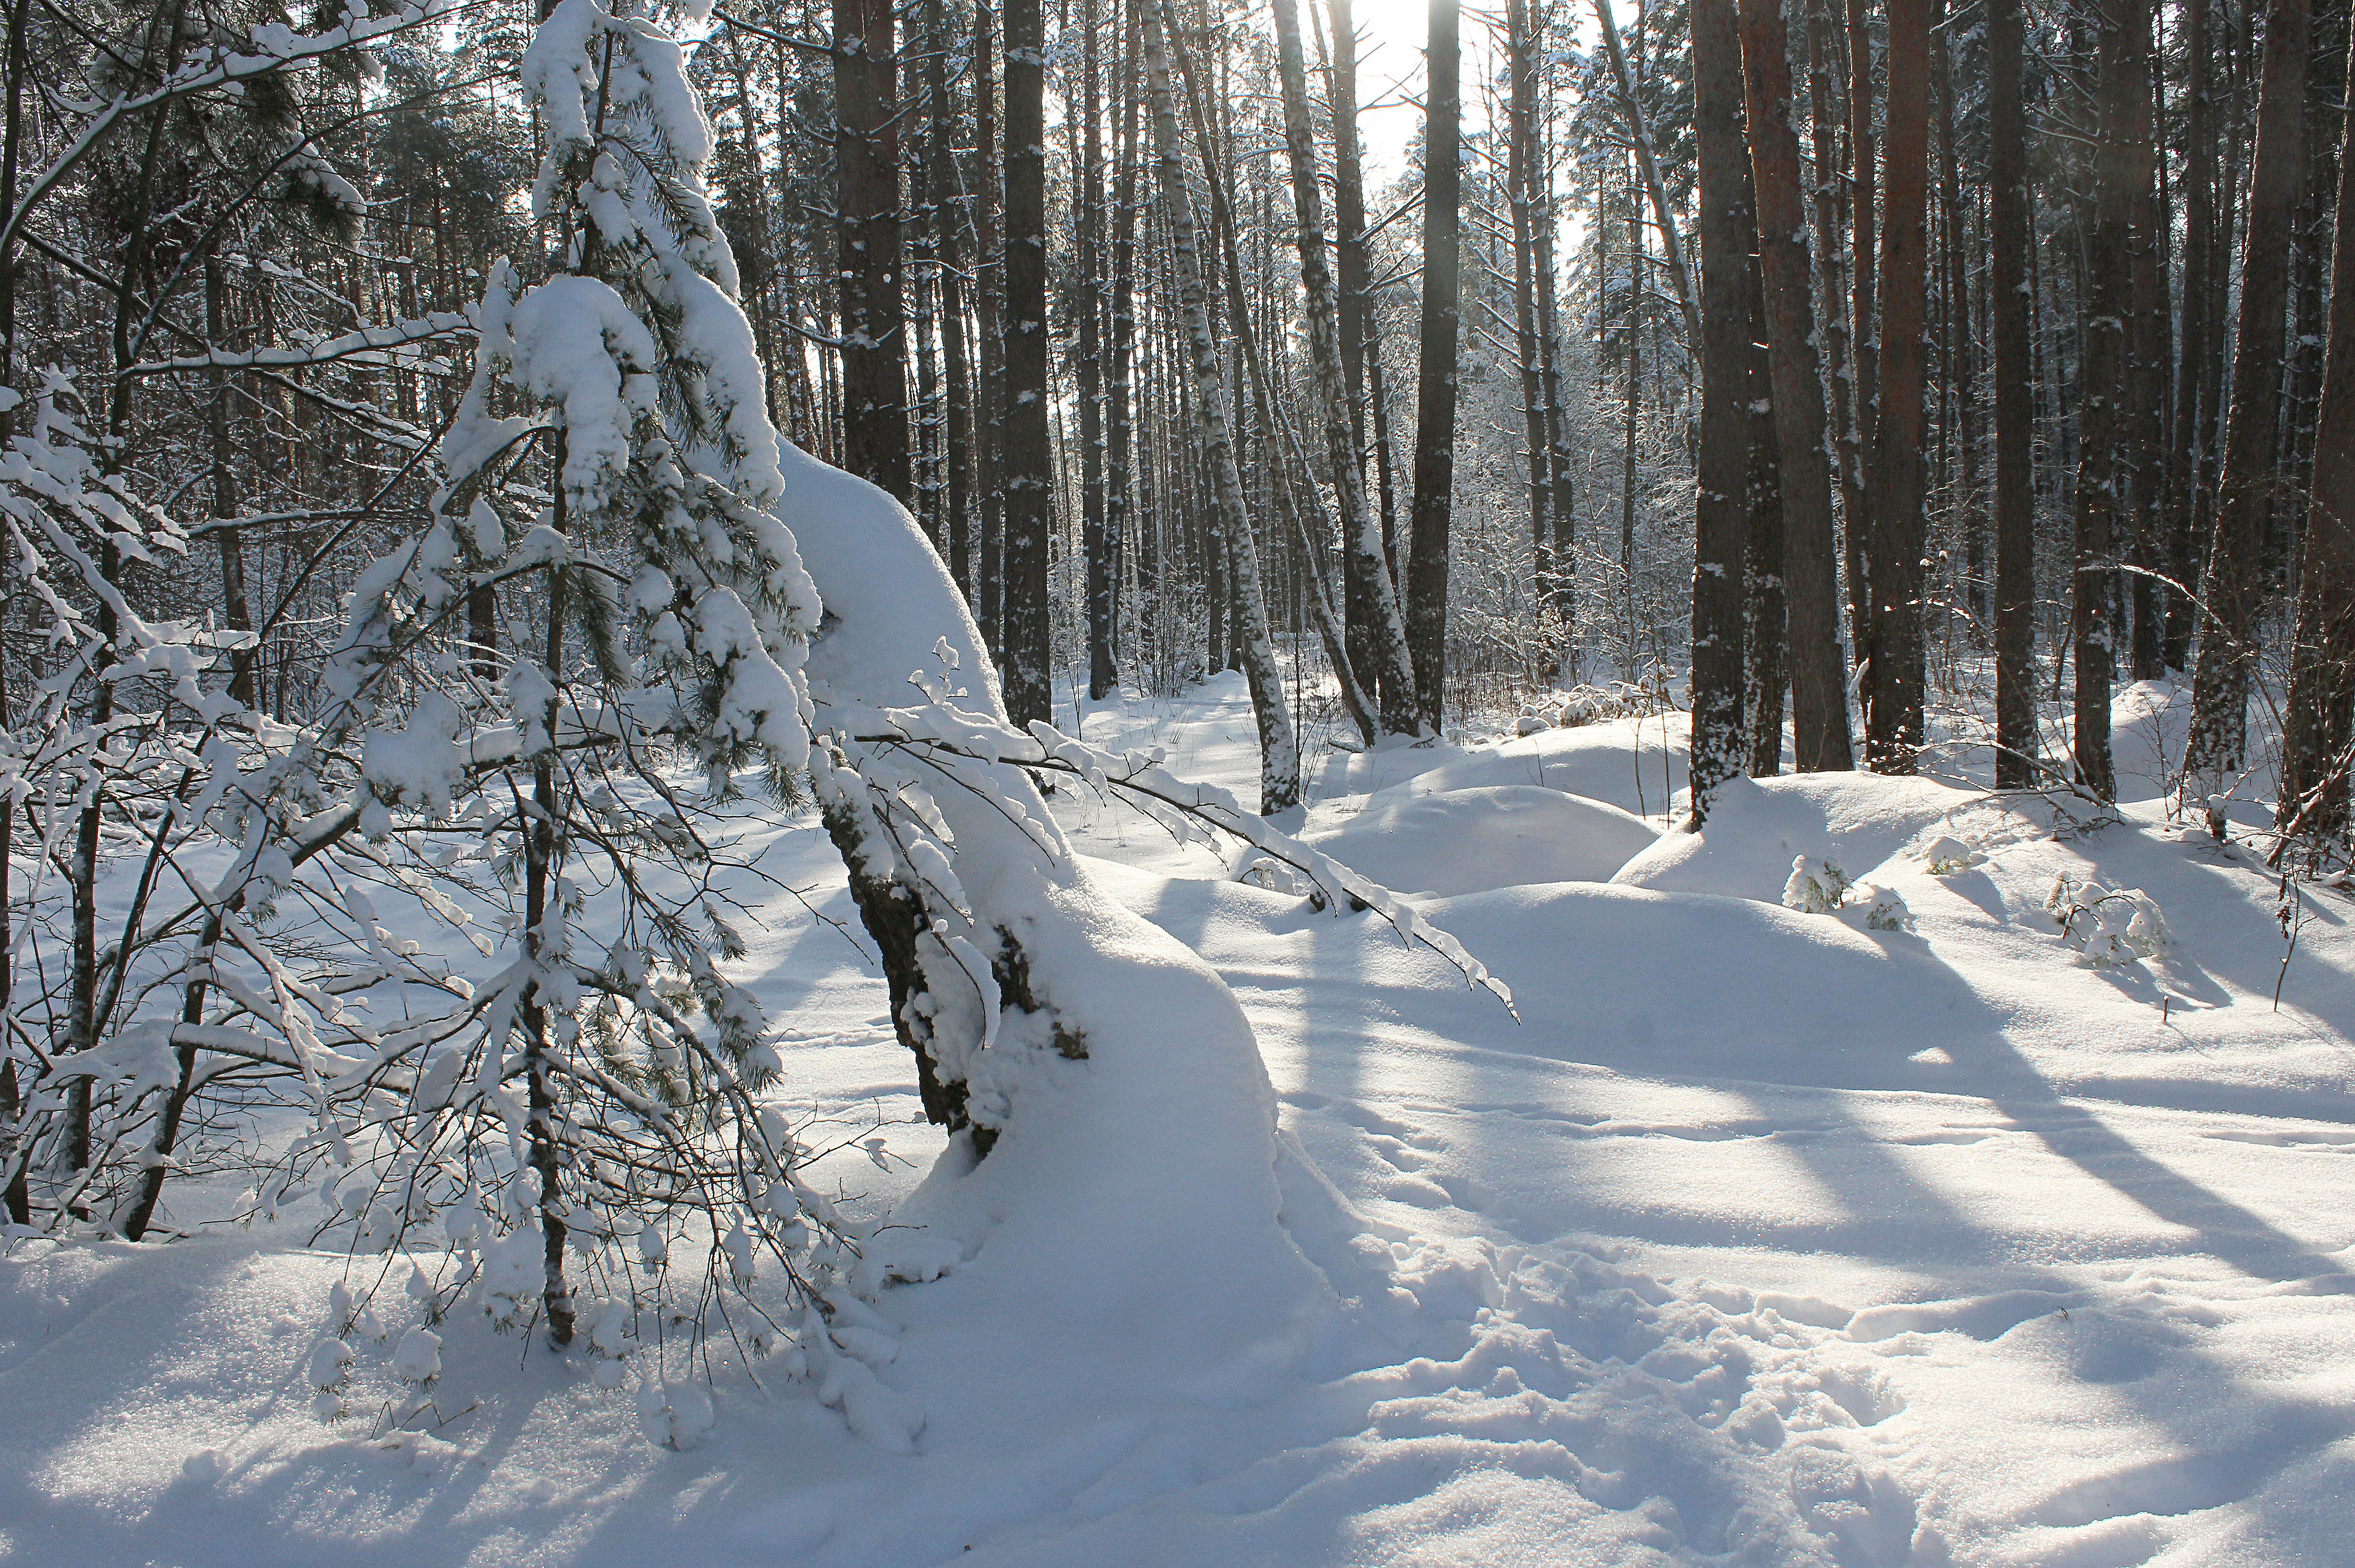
(1764, 1236)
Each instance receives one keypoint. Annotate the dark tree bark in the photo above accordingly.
(2320, 712)
(1863, 324)
(1892, 727)
(1434, 430)
(1027, 459)
(2149, 343)
(989, 296)
(2118, 167)
(2015, 428)
(949, 220)
(1095, 543)
(1811, 577)
(868, 246)
(1961, 348)
(2189, 517)
(1828, 98)
(1729, 227)
(237, 610)
(2234, 578)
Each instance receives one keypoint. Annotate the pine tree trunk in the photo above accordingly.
(1027, 459)
(2119, 169)
(2149, 339)
(2015, 414)
(1279, 749)
(1729, 227)
(1435, 390)
(1828, 100)
(868, 246)
(1892, 733)
(1811, 573)
(1961, 350)
(2234, 578)
(949, 220)
(989, 295)
(1095, 541)
(2314, 808)
(1864, 327)
(2194, 439)
(1361, 540)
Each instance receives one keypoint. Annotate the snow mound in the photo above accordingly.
(1469, 840)
(1636, 764)
(1858, 820)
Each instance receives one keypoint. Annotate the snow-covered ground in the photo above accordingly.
(1758, 1236)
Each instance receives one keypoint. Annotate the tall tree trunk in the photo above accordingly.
(1558, 594)
(1729, 229)
(1123, 518)
(2234, 578)
(1892, 731)
(2201, 346)
(1356, 319)
(2118, 170)
(1027, 458)
(1828, 121)
(1435, 390)
(1520, 196)
(868, 246)
(1962, 349)
(1279, 748)
(236, 608)
(1811, 573)
(949, 219)
(1095, 541)
(2149, 344)
(989, 295)
(2314, 807)
(1361, 539)
(1864, 327)
(2015, 414)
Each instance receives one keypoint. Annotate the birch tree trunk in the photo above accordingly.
(1361, 539)
(1279, 748)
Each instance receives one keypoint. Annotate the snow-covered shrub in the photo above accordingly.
(1947, 855)
(1818, 887)
(2108, 929)
(1879, 908)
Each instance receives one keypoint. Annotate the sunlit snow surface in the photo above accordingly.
(1763, 1238)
